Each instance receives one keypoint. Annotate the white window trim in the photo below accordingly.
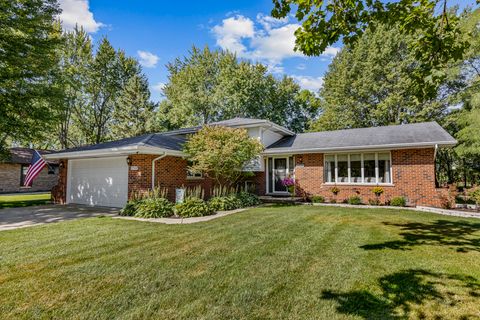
(335, 155)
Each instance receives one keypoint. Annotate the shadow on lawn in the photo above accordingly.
(401, 292)
(24, 203)
(463, 236)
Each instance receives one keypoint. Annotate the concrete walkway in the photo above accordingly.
(13, 218)
(185, 220)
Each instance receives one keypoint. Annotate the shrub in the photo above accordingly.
(354, 200)
(248, 199)
(333, 201)
(335, 190)
(398, 202)
(130, 208)
(193, 207)
(154, 208)
(374, 202)
(225, 203)
(378, 191)
(318, 199)
(474, 194)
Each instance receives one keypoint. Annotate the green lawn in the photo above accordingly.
(298, 262)
(23, 200)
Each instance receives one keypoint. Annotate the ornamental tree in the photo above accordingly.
(221, 153)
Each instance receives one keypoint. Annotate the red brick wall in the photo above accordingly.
(413, 178)
(59, 192)
(10, 179)
(170, 173)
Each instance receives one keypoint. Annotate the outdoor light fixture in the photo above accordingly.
(129, 161)
(61, 164)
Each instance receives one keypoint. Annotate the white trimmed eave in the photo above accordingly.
(286, 150)
(113, 152)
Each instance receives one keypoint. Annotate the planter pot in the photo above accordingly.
(460, 205)
(472, 206)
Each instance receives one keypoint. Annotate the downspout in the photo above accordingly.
(437, 184)
(153, 168)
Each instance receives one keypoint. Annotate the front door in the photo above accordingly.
(279, 173)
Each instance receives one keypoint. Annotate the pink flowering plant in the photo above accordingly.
(290, 184)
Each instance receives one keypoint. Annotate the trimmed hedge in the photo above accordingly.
(318, 199)
(354, 200)
(398, 202)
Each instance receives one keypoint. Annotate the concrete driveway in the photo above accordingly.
(13, 218)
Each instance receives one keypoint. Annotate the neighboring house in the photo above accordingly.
(400, 158)
(14, 168)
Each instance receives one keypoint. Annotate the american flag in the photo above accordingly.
(36, 165)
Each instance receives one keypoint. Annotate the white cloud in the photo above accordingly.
(301, 66)
(276, 44)
(230, 33)
(268, 40)
(268, 21)
(148, 59)
(159, 87)
(77, 12)
(310, 83)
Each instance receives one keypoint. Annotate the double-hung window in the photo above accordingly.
(358, 168)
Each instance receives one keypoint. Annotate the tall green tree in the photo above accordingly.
(29, 42)
(210, 85)
(370, 85)
(134, 112)
(76, 59)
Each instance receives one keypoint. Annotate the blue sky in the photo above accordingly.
(156, 32)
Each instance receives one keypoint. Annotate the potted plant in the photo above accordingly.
(289, 183)
(335, 190)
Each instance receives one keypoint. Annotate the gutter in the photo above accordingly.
(289, 150)
(112, 152)
(153, 168)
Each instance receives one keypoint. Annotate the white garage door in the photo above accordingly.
(98, 182)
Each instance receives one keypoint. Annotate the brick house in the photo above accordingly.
(14, 168)
(399, 158)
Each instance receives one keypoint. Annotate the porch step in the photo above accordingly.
(278, 199)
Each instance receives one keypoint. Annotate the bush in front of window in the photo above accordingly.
(354, 200)
(335, 190)
(154, 208)
(398, 202)
(378, 191)
(317, 199)
(193, 207)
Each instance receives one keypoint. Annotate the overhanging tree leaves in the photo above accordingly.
(221, 153)
(325, 22)
(29, 42)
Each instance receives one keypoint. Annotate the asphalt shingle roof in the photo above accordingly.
(407, 134)
(24, 155)
(159, 140)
